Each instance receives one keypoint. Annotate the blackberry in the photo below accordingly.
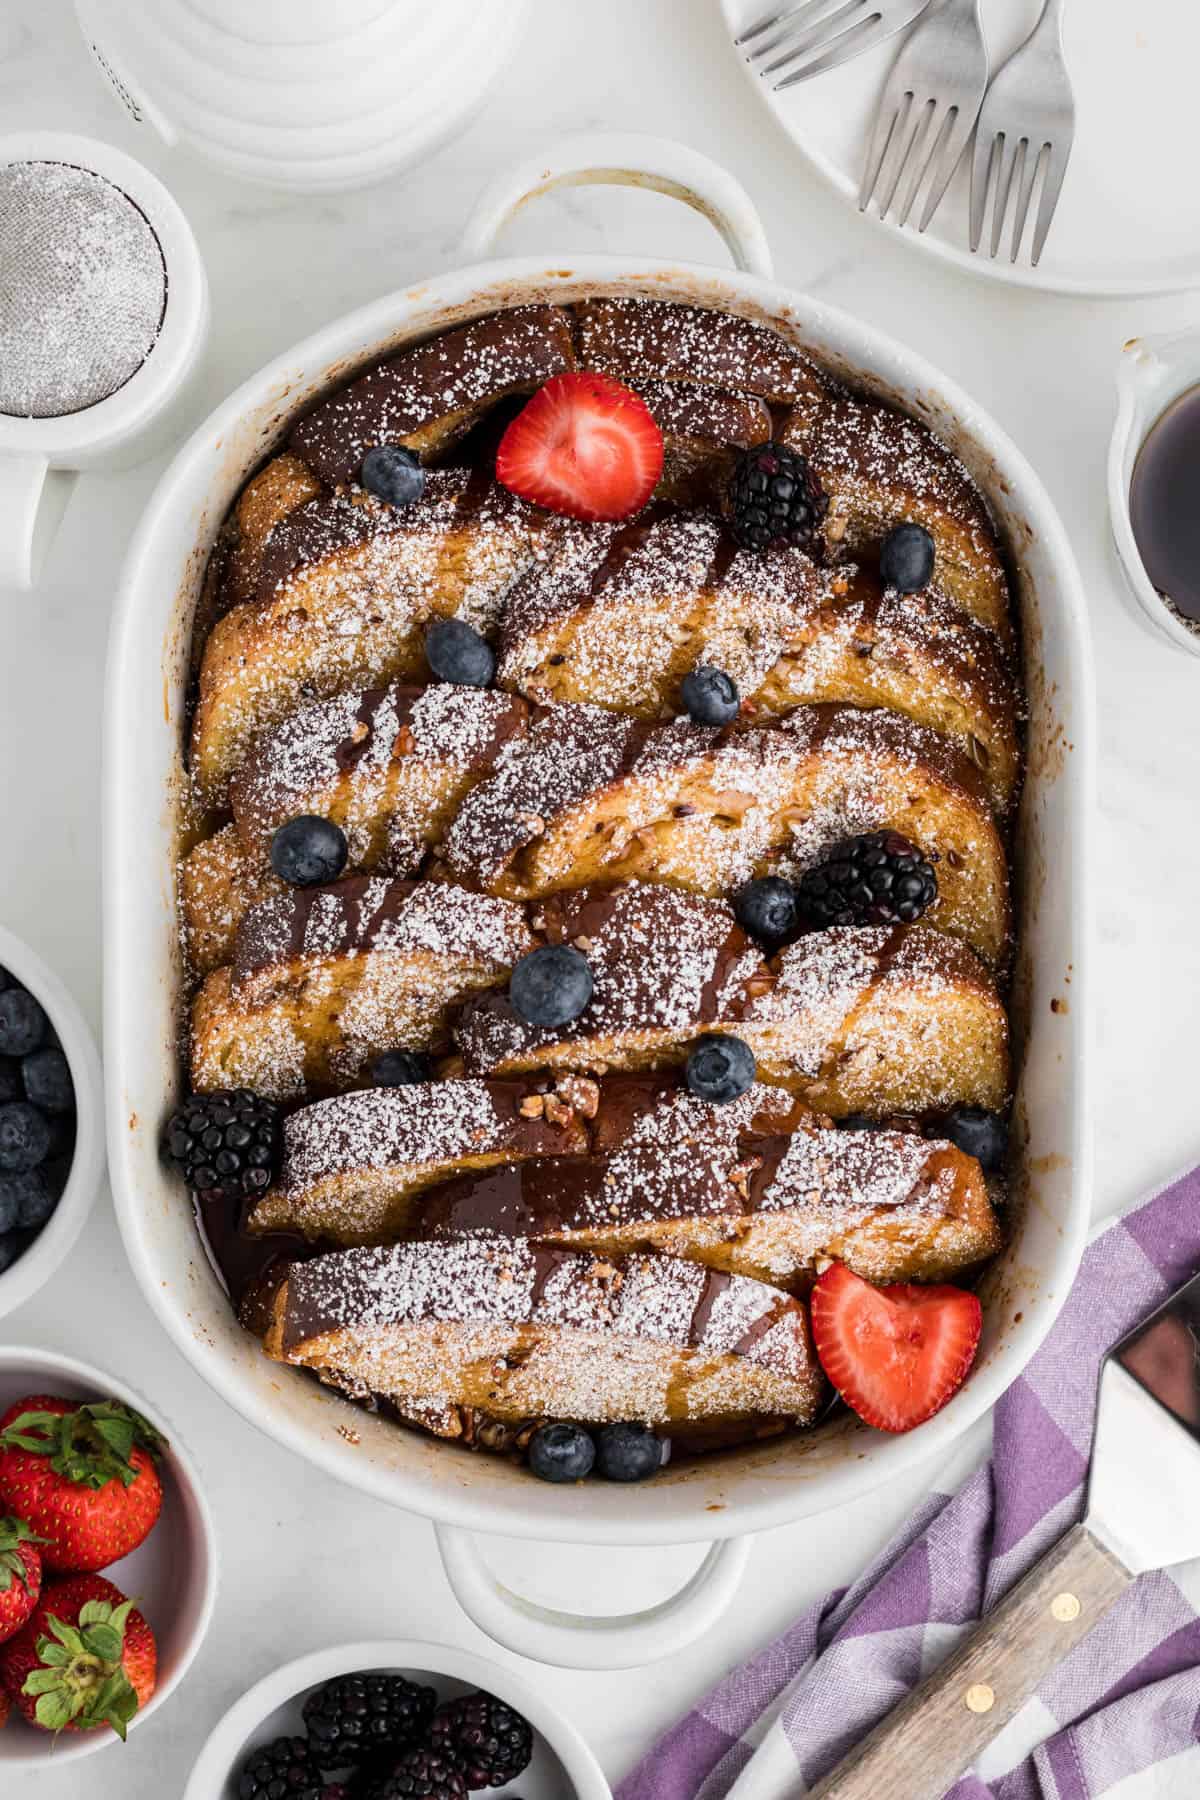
(420, 1775)
(876, 879)
(775, 498)
(357, 1717)
(486, 1740)
(225, 1144)
(283, 1770)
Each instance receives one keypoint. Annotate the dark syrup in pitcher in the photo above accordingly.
(1164, 505)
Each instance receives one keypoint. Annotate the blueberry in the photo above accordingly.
(455, 652)
(400, 1068)
(24, 1137)
(561, 1452)
(906, 559)
(11, 1085)
(47, 1078)
(720, 1068)
(626, 1452)
(769, 909)
(11, 1246)
(392, 474)
(977, 1132)
(23, 1024)
(26, 1200)
(551, 986)
(308, 850)
(710, 696)
(858, 1122)
(5, 980)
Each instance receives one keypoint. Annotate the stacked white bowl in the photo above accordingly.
(307, 94)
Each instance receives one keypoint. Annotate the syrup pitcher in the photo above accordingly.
(1154, 480)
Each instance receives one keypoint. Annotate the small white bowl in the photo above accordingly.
(39, 1262)
(172, 1576)
(563, 1768)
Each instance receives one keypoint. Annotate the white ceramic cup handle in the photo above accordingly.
(626, 160)
(575, 1640)
(33, 497)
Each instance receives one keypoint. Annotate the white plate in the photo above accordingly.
(1127, 221)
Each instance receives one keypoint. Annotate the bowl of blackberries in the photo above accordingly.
(394, 1721)
(51, 1122)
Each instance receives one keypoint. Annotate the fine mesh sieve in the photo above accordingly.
(83, 289)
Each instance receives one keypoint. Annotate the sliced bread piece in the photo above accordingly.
(665, 967)
(882, 468)
(523, 1331)
(325, 979)
(618, 615)
(346, 588)
(695, 1180)
(592, 796)
(879, 1021)
(429, 395)
(353, 1166)
(865, 1020)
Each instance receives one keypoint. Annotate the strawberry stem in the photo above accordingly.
(82, 1681)
(14, 1533)
(89, 1447)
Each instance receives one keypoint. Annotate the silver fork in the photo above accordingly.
(1027, 123)
(927, 111)
(819, 34)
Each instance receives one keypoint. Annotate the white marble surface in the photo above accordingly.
(307, 1563)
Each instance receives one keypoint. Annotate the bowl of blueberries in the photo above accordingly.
(51, 1122)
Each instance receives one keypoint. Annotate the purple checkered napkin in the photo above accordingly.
(1125, 1698)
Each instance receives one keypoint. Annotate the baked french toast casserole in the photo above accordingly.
(606, 737)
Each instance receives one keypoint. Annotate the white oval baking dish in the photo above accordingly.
(752, 1489)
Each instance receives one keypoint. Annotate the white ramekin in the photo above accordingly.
(34, 1269)
(563, 1768)
(172, 1576)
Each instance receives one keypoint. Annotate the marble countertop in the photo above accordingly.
(341, 1566)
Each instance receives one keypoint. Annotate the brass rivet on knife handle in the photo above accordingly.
(1064, 1608)
(980, 1697)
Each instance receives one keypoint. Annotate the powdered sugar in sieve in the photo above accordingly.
(83, 289)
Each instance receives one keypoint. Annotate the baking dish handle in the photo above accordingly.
(576, 1640)
(626, 159)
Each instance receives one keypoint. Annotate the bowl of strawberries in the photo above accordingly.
(108, 1565)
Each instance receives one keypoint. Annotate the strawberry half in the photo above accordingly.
(87, 1659)
(82, 1476)
(585, 446)
(895, 1354)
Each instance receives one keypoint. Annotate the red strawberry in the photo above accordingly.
(83, 1477)
(584, 445)
(5, 1708)
(895, 1354)
(20, 1575)
(86, 1659)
